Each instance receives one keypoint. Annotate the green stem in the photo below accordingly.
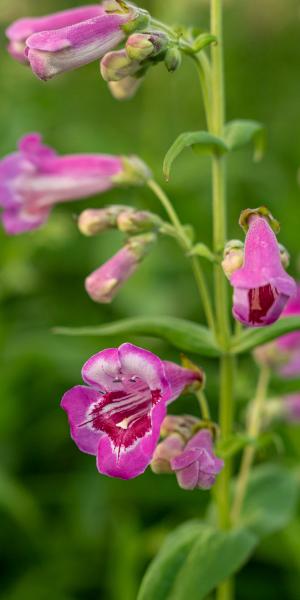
(253, 431)
(205, 412)
(203, 68)
(226, 408)
(186, 244)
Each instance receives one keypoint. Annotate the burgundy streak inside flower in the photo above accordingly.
(118, 415)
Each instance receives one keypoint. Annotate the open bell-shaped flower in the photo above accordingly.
(262, 288)
(117, 416)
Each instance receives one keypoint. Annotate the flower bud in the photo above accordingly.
(183, 425)
(141, 46)
(284, 256)
(133, 222)
(92, 221)
(168, 449)
(125, 88)
(233, 257)
(173, 59)
(116, 65)
(104, 283)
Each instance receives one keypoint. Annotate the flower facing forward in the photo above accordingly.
(283, 355)
(117, 416)
(262, 288)
(68, 40)
(35, 178)
(22, 29)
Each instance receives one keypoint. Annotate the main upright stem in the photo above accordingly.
(225, 590)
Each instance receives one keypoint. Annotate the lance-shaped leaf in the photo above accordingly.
(242, 132)
(201, 41)
(271, 499)
(202, 250)
(194, 560)
(202, 142)
(182, 334)
(250, 338)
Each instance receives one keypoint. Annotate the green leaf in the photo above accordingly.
(203, 40)
(250, 338)
(203, 251)
(242, 132)
(185, 335)
(201, 142)
(271, 499)
(194, 560)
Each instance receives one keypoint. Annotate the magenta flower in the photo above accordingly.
(104, 283)
(55, 51)
(197, 466)
(22, 29)
(261, 287)
(35, 178)
(118, 415)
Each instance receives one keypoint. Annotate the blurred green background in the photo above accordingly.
(66, 532)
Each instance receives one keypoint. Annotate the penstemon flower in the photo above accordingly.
(262, 288)
(22, 29)
(56, 51)
(118, 415)
(104, 283)
(35, 178)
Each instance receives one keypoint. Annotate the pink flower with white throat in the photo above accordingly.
(117, 416)
(35, 178)
(262, 287)
(22, 29)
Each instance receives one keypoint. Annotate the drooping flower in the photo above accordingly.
(262, 288)
(197, 466)
(19, 31)
(35, 178)
(104, 283)
(117, 416)
(56, 51)
(283, 354)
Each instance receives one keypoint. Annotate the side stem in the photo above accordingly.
(249, 453)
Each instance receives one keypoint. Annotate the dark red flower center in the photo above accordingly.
(260, 301)
(124, 414)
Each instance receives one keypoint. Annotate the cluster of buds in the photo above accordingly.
(141, 226)
(262, 288)
(69, 39)
(187, 451)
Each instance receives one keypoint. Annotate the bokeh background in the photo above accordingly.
(66, 532)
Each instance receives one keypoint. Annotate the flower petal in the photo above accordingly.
(76, 402)
(188, 478)
(144, 364)
(103, 370)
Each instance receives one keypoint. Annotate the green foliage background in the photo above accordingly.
(66, 532)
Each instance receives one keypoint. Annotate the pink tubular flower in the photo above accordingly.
(261, 287)
(104, 283)
(22, 29)
(35, 178)
(117, 416)
(197, 466)
(56, 51)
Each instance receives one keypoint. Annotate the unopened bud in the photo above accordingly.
(141, 46)
(183, 425)
(134, 222)
(135, 172)
(168, 449)
(173, 59)
(116, 65)
(284, 256)
(233, 257)
(92, 221)
(125, 88)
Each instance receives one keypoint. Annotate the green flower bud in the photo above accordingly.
(125, 88)
(133, 222)
(141, 46)
(233, 257)
(173, 59)
(116, 65)
(284, 256)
